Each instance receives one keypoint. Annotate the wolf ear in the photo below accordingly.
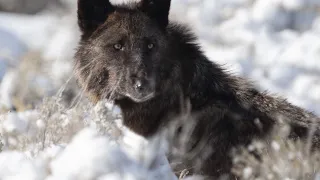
(92, 13)
(157, 10)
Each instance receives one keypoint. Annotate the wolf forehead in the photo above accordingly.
(146, 16)
(127, 23)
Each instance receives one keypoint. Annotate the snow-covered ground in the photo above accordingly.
(275, 43)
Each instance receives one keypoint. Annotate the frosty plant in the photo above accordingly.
(38, 129)
(59, 136)
(280, 158)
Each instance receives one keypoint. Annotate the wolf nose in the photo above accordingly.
(138, 85)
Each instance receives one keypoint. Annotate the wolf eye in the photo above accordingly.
(150, 46)
(118, 46)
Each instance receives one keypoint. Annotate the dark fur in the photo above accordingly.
(225, 106)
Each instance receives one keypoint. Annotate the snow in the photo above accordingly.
(11, 48)
(33, 30)
(88, 156)
(6, 88)
(15, 165)
(14, 123)
(275, 43)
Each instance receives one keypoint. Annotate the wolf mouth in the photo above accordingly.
(142, 99)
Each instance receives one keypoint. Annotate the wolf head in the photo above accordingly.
(121, 49)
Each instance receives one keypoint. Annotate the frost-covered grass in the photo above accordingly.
(53, 132)
(83, 142)
(280, 158)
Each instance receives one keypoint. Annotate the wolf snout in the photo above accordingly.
(143, 85)
(141, 89)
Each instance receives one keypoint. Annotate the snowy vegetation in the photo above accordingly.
(49, 130)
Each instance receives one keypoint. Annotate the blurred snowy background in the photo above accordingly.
(49, 130)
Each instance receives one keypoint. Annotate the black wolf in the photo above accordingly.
(131, 54)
